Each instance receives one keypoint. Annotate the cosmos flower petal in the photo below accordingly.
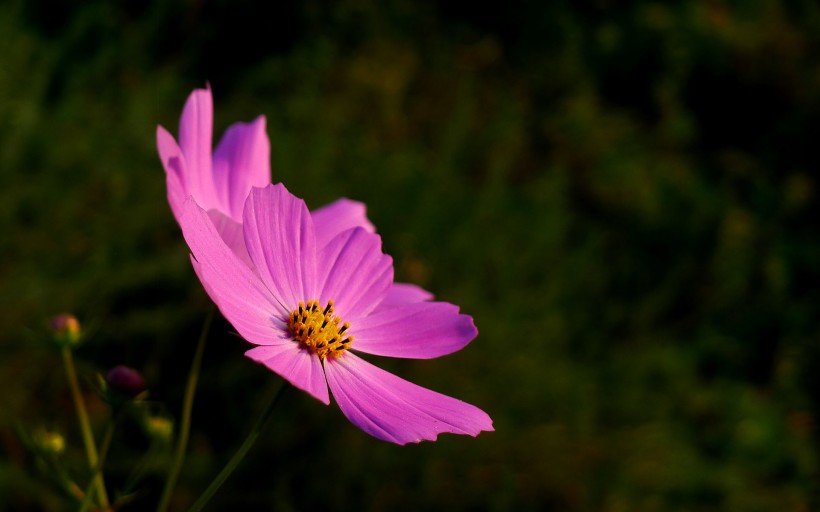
(355, 274)
(393, 409)
(167, 147)
(400, 294)
(241, 161)
(174, 164)
(281, 242)
(198, 271)
(337, 217)
(195, 128)
(423, 330)
(297, 365)
(237, 291)
(232, 234)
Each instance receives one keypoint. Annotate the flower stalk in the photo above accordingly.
(229, 468)
(185, 421)
(85, 427)
(106, 444)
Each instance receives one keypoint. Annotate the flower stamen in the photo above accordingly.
(319, 330)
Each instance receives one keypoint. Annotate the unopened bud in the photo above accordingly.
(159, 428)
(51, 443)
(66, 329)
(125, 380)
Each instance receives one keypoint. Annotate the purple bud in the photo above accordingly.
(126, 380)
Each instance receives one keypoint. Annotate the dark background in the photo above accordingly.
(622, 194)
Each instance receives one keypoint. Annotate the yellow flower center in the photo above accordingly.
(319, 330)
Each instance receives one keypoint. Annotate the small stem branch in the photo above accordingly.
(85, 427)
(240, 453)
(106, 444)
(185, 421)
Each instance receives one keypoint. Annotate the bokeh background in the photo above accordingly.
(622, 194)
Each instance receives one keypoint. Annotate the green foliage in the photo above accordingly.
(623, 196)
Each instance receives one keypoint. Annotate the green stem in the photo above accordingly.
(109, 434)
(85, 426)
(240, 453)
(185, 425)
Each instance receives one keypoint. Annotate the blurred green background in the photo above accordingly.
(623, 195)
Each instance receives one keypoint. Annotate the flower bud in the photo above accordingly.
(125, 380)
(159, 428)
(66, 329)
(51, 443)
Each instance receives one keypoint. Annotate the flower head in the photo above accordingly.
(316, 295)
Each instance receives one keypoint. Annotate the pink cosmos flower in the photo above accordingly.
(220, 182)
(318, 294)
